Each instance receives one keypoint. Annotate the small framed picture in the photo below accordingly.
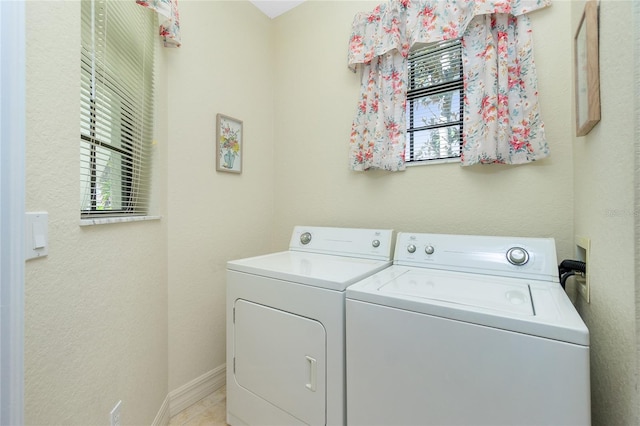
(229, 144)
(587, 70)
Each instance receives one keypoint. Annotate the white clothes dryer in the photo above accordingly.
(466, 330)
(285, 325)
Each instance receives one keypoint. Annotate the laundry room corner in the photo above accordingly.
(215, 216)
(604, 213)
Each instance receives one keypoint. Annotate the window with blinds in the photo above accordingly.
(434, 102)
(116, 103)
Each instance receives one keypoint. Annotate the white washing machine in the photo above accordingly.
(285, 325)
(466, 330)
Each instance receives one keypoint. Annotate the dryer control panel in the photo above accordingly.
(353, 242)
(521, 257)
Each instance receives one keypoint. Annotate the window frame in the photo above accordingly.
(116, 112)
(415, 94)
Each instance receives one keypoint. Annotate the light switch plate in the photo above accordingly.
(36, 243)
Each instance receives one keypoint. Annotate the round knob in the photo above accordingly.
(305, 238)
(375, 243)
(411, 248)
(517, 256)
(429, 250)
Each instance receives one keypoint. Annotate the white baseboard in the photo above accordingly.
(195, 390)
(162, 418)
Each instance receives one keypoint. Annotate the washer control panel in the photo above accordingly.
(504, 256)
(517, 256)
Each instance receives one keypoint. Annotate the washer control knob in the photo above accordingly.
(517, 256)
(411, 248)
(305, 238)
(375, 243)
(429, 250)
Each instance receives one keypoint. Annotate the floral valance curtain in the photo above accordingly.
(501, 113)
(169, 18)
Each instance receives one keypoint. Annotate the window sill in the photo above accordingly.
(430, 162)
(109, 220)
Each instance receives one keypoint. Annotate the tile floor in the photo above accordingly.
(209, 411)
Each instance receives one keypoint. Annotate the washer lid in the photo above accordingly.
(493, 293)
(318, 270)
(514, 304)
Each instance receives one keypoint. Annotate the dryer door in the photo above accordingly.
(281, 358)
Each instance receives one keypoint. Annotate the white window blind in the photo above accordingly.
(434, 102)
(116, 124)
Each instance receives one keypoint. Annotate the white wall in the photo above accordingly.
(604, 212)
(316, 98)
(96, 306)
(225, 66)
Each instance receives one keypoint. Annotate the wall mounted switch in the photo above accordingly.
(36, 242)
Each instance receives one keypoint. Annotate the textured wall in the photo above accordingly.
(224, 66)
(96, 307)
(316, 99)
(604, 203)
(98, 326)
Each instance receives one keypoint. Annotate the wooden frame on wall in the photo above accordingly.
(587, 79)
(229, 144)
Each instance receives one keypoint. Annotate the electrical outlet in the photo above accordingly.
(583, 248)
(115, 414)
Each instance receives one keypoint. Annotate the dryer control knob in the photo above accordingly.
(517, 256)
(375, 243)
(429, 250)
(305, 238)
(411, 248)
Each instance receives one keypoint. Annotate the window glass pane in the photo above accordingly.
(109, 183)
(431, 144)
(108, 166)
(435, 109)
(435, 65)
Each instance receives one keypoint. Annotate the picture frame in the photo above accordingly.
(229, 144)
(587, 78)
